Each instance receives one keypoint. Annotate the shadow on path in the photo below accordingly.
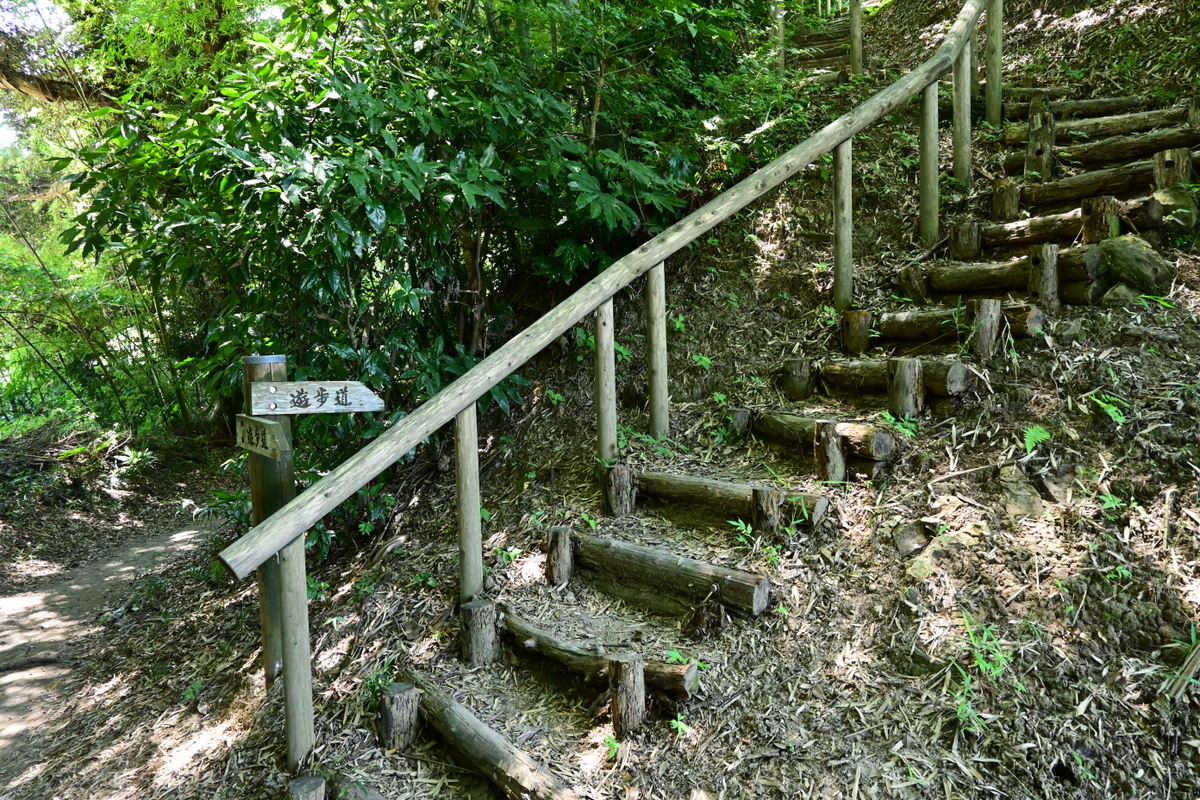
(40, 634)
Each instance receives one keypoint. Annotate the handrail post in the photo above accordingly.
(856, 38)
(656, 350)
(962, 115)
(606, 383)
(272, 486)
(297, 657)
(929, 165)
(995, 62)
(470, 524)
(843, 222)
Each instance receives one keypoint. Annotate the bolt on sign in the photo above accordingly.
(311, 397)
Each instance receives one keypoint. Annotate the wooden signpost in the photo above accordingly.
(312, 397)
(266, 431)
(263, 436)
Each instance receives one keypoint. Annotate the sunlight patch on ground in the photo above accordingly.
(179, 750)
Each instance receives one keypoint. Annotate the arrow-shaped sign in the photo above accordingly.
(311, 397)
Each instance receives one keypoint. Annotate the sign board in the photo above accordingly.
(262, 436)
(311, 397)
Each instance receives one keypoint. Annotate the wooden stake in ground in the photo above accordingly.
(1101, 218)
(986, 329)
(560, 562)
(480, 644)
(627, 692)
(1172, 167)
(399, 720)
(856, 331)
(1039, 151)
(1043, 275)
(906, 388)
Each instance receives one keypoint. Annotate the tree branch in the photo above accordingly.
(49, 90)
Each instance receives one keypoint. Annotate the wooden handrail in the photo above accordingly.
(284, 526)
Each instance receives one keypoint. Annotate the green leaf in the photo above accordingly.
(1035, 435)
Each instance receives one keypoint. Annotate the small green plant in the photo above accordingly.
(679, 726)
(1111, 406)
(772, 553)
(701, 361)
(424, 579)
(720, 399)
(678, 323)
(485, 514)
(316, 588)
(554, 397)
(1035, 435)
(964, 703)
(508, 555)
(988, 654)
(192, 690)
(379, 679)
(623, 352)
(829, 314)
(365, 586)
(588, 520)
(905, 426)
(614, 747)
(1120, 572)
(745, 531)
(1147, 299)
(782, 610)
(1083, 769)
(673, 656)
(1111, 504)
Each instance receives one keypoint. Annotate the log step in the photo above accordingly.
(1115, 149)
(625, 486)
(591, 661)
(1125, 179)
(504, 764)
(825, 62)
(860, 328)
(942, 377)
(863, 439)
(664, 582)
(1115, 125)
(968, 239)
(1068, 109)
(957, 278)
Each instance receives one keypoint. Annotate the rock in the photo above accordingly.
(1118, 296)
(910, 538)
(952, 540)
(1059, 488)
(1179, 210)
(1067, 331)
(1020, 498)
(919, 568)
(1129, 259)
(349, 790)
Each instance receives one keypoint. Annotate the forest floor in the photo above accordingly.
(1019, 656)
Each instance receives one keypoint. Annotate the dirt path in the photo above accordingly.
(41, 631)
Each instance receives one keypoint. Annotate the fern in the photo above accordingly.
(1035, 435)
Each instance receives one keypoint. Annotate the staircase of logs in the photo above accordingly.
(1087, 189)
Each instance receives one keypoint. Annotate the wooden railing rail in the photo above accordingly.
(457, 401)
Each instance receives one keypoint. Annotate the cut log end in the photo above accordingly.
(480, 643)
